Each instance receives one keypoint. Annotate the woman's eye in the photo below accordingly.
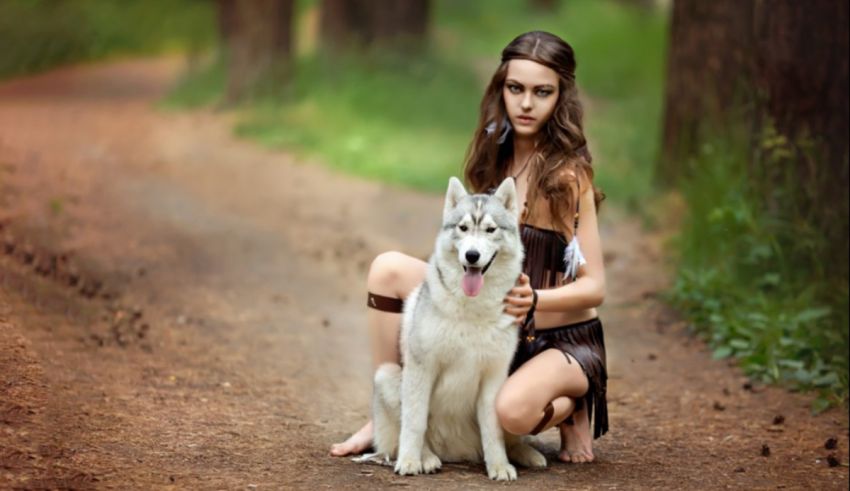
(514, 89)
(544, 93)
(463, 228)
(490, 230)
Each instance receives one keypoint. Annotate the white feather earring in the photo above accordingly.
(506, 129)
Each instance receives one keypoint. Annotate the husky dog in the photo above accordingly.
(457, 345)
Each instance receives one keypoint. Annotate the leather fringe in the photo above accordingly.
(585, 342)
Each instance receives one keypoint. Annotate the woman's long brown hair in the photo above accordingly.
(561, 146)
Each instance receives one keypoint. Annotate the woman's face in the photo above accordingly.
(530, 93)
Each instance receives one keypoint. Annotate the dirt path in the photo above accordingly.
(182, 309)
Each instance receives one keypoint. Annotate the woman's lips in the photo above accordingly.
(525, 119)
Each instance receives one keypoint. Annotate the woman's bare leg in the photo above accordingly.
(521, 402)
(576, 439)
(392, 274)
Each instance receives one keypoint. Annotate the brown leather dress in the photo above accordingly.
(584, 341)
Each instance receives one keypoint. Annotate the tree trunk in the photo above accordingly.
(754, 66)
(781, 59)
(708, 72)
(257, 36)
(368, 23)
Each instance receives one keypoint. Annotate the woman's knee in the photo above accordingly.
(385, 270)
(395, 273)
(516, 413)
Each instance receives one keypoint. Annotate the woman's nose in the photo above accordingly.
(526, 101)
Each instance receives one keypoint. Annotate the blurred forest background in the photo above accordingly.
(726, 121)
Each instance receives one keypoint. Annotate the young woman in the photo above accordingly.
(530, 128)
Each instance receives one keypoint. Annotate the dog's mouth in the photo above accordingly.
(473, 278)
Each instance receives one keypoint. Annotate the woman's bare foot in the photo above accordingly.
(356, 443)
(576, 439)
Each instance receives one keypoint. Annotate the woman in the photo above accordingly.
(530, 128)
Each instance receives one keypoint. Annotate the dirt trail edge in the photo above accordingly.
(182, 309)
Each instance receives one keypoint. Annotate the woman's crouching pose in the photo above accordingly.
(530, 128)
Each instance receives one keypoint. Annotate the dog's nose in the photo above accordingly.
(472, 256)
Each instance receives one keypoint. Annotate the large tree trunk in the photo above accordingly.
(754, 66)
(257, 36)
(708, 72)
(368, 23)
(801, 64)
(781, 60)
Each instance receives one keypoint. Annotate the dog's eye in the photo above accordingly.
(490, 230)
(463, 228)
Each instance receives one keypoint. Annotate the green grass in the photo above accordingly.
(40, 34)
(199, 87)
(401, 123)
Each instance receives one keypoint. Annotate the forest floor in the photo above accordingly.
(183, 309)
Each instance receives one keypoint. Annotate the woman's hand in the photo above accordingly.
(518, 300)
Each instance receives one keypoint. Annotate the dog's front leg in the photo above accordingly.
(416, 384)
(492, 438)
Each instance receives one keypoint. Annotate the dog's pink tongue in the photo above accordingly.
(472, 282)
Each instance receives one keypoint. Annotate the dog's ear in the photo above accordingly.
(454, 194)
(506, 194)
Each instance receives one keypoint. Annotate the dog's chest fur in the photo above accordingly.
(461, 340)
(460, 330)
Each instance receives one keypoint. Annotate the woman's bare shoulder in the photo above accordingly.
(574, 176)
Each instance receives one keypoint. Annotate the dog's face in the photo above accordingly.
(477, 228)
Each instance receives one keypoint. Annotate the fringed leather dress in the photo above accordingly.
(545, 264)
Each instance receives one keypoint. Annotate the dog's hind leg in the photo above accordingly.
(520, 452)
(430, 461)
(386, 409)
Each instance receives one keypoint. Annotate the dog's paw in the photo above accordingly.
(430, 462)
(501, 472)
(526, 456)
(406, 466)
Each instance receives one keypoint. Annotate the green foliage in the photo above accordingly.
(755, 278)
(405, 121)
(409, 120)
(198, 87)
(39, 34)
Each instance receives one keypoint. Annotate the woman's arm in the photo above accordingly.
(588, 290)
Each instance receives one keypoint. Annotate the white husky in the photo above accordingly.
(457, 345)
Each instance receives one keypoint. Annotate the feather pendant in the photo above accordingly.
(573, 259)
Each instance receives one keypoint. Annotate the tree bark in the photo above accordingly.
(753, 66)
(368, 23)
(257, 36)
(781, 60)
(708, 72)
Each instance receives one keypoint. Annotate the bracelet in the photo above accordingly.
(530, 314)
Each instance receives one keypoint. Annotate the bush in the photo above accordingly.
(755, 278)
